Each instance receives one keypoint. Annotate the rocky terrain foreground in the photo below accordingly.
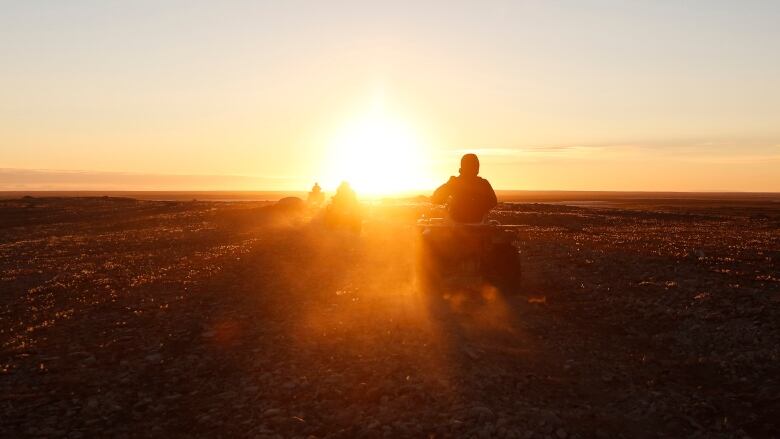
(124, 318)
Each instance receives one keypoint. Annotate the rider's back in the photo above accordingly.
(470, 198)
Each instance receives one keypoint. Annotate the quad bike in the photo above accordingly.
(468, 254)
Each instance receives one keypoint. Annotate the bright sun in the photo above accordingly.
(378, 154)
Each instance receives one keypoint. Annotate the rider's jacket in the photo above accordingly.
(469, 198)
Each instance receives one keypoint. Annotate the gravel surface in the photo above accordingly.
(125, 318)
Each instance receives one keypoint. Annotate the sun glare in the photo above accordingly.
(378, 154)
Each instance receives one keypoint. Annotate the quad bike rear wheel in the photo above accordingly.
(469, 254)
(502, 266)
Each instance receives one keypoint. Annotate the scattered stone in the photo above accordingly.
(481, 413)
(272, 412)
(641, 312)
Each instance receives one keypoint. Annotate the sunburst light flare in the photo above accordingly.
(378, 153)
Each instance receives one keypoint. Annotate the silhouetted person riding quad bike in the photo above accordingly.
(316, 196)
(469, 197)
(464, 245)
(344, 211)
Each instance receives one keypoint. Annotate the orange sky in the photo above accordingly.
(593, 95)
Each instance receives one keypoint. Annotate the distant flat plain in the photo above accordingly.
(573, 197)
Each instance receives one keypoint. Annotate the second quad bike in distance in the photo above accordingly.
(469, 253)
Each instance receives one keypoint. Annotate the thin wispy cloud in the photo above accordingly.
(706, 151)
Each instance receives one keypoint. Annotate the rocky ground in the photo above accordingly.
(124, 318)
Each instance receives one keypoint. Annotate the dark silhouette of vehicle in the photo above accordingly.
(463, 244)
(290, 205)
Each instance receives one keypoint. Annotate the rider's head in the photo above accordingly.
(469, 165)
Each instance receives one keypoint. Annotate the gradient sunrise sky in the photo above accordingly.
(579, 95)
